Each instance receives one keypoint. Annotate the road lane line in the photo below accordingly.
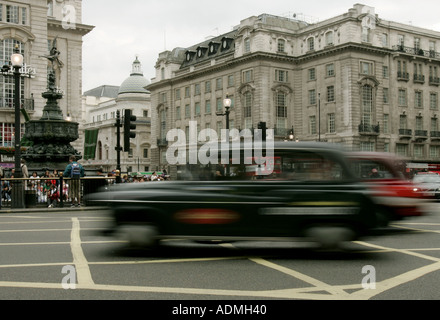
(315, 282)
(84, 277)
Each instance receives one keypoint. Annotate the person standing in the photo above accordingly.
(75, 172)
(24, 169)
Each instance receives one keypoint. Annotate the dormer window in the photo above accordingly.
(189, 55)
(213, 47)
(201, 51)
(226, 43)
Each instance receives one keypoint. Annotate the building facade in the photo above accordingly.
(355, 79)
(33, 25)
(100, 107)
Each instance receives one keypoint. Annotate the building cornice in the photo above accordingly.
(79, 28)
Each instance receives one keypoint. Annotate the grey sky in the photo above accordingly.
(124, 29)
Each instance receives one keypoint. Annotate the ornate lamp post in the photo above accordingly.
(17, 189)
(227, 104)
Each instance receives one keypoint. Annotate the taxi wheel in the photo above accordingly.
(330, 237)
(139, 236)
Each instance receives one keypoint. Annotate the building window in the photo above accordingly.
(312, 124)
(330, 70)
(331, 94)
(367, 105)
(419, 123)
(331, 123)
(219, 105)
(197, 109)
(433, 101)
(312, 97)
(187, 111)
(386, 95)
(178, 113)
(208, 107)
(366, 34)
(12, 14)
(367, 146)
(312, 74)
(402, 72)
(247, 110)
(418, 99)
(367, 68)
(386, 123)
(247, 45)
(419, 150)
(281, 76)
(281, 107)
(219, 84)
(385, 72)
(434, 124)
(197, 89)
(403, 122)
(207, 86)
(402, 150)
(384, 40)
(145, 153)
(247, 76)
(434, 152)
(177, 95)
(230, 81)
(311, 43)
(281, 47)
(402, 98)
(7, 87)
(329, 38)
(163, 124)
(187, 92)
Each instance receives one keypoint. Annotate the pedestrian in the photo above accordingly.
(53, 196)
(24, 169)
(75, 172)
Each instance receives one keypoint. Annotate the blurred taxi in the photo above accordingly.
(385, 173)
(300, 191)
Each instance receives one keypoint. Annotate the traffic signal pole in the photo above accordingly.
(118, 146)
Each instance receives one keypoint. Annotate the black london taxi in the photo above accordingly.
(293, 191)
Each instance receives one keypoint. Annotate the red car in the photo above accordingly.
(393, 190)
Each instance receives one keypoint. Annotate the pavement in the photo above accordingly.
(65, 209)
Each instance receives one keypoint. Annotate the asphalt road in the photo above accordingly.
(60, 255)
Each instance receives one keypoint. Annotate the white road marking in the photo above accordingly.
(83, 273)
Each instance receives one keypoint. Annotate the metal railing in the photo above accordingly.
(38, 191)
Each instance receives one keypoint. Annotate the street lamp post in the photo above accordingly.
(319, 117)
(17, 189)
(227, 104)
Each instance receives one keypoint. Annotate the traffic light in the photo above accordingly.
(128, 127)
(262, 127)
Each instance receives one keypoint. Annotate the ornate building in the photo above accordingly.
(354, 79)
(100, 106)
(33, 25)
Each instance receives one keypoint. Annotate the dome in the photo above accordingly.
(136, 82)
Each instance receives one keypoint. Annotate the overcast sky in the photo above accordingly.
(124, 29)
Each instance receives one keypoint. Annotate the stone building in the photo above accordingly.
(100, 107)
(355, 79)
(33, 25)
